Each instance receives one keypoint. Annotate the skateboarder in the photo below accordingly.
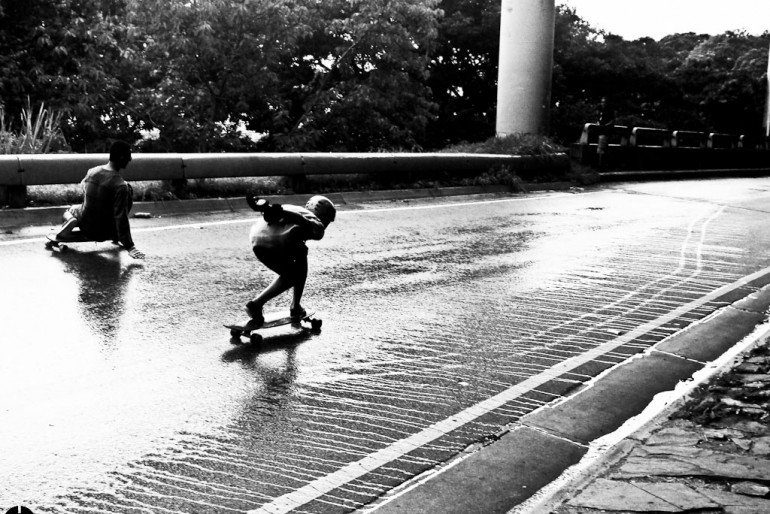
(606, 121)
(107, 200)
(278, 241)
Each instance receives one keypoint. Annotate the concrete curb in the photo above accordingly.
(607, 455)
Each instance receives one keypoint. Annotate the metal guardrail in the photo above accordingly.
(19, 171)
(27, 170)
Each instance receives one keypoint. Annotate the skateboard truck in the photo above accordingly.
(275, 320)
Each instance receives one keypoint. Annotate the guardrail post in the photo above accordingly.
(179, 187)
(298, 183)
(13, 196)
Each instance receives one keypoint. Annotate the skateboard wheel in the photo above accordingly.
(49, 245)
(64, 248)
(255, 338)
(235, 333)
(315, 324)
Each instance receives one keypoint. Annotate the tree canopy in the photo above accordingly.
(344, 75)
(684, 81)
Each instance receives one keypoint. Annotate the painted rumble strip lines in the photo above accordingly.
(354, 470)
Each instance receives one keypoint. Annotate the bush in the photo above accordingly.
(38, 133)
(513, 144)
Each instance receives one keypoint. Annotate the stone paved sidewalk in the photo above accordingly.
(711, 455)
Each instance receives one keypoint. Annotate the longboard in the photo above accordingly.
(61, 244)
(275, 319)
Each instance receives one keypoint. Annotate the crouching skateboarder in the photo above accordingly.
(103, 215)
(278, 241)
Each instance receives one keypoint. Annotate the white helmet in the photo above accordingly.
(323, 208)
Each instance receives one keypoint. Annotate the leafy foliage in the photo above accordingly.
(39, 132)
(359, 85)
(463, 72)
(684, 81)
(61, 53)
(344, 75)
(209, 65)
(726, 75)
(514, 144)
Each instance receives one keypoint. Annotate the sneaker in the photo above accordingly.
(74, 236)
(65, 231)
(298, 313)
(69, 238)
(255, 313)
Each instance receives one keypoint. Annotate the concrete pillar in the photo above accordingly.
(526, 66)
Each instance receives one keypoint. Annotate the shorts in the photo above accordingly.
(283, 262)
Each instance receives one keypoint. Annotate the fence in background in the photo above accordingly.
(642, 148)
(643, 136)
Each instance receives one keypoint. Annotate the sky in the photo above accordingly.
(633, 19)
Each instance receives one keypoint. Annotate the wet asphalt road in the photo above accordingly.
(121, 390)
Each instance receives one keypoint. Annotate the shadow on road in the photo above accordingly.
(246, 352)
(102, 280)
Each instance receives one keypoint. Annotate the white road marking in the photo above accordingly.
(250, 219)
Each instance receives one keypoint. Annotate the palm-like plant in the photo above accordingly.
(39, 132)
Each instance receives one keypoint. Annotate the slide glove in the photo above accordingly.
(256, 203)
(273, 212)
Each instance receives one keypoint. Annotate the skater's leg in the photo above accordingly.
(300, 278)
(279, 285)
(70, 222)
(290, 274)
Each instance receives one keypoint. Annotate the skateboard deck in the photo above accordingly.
(275, 319)
(61, 244)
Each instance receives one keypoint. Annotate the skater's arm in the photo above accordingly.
(120, 214)
(123, 202)
(309, 223)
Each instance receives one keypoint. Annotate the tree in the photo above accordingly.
(357, 80)
(684, 81)
(723, 77)
(344, 75)
(336, 75)
(578, 81)
(61, 53)
(209, 66)
(463, 72)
